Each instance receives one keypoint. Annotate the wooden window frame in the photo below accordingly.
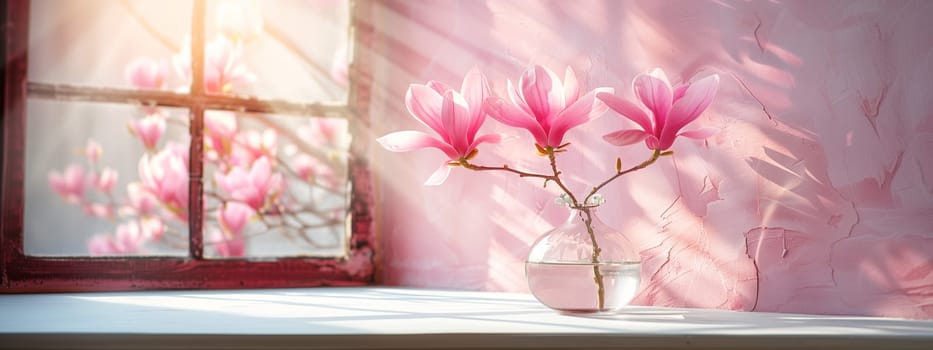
(24, 273)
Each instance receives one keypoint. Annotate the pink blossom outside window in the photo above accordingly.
(209, 145)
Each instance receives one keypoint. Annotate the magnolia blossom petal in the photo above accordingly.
(249, 195)
(542, 91)
(679, 91)
(235, 216)
(655, 92)
(699, 134)
(409, 140)
(696, 98)
(438, 86)
(107, 179)
(149, 130)
(152, 228)
(652, 142)
(70, 184)
(439, 176)
(510, 115)
(424, 103)
(517, 99)
(627, 109)
(98, 210)
(260, 172)
(455, 117)
(583, 110)
(475, 90)
(145, 73)
(220, 123)
(141, 201)
(165, 175)
(626, 137)
(488, 138)
(102, 244)
(93, 150)
(227, 246)
(556, 93)
(129, 238)
(571, 87)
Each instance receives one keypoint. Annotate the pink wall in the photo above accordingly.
(815, 197)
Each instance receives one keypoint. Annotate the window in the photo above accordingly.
(199, 209)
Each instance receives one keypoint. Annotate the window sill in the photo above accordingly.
(389, 318)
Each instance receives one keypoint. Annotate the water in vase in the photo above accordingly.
(570, 287)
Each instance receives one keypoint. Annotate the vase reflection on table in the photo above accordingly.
(583, 265)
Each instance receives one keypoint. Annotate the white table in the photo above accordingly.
(399, 318)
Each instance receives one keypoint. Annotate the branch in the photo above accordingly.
(552, 156)
(466, 164)
(654, 157)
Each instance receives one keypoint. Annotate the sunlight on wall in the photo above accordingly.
(822, 125)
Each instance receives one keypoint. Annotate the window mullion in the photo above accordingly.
(80, 93)
(195, 159)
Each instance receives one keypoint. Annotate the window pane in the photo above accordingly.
(288, 49)
(109, 43)
(275, 185)
(105, 179)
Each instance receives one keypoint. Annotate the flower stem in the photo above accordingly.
(586, 215)
(466, 164)
(556, 178)
(654, 157)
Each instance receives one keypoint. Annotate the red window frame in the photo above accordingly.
(23, 273)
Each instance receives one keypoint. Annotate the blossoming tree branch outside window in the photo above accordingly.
(290, 183)
(547, 107)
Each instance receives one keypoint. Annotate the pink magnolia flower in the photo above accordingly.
(98, 210)
(545, 106)
(234, 216)
(106, 180)
(148, 129)
(454, 116)
(101, 244)
(239, 19)
(671, 110)
(165, 175)
(141, 201)
(69, 184)
(251, 145)
(145, 73)
(223, 65)
(129, 239)
(253, 186)
(309, 168)
(220, 129)
(93, 151)
(329, 133)
(151, 228)
(227, 245)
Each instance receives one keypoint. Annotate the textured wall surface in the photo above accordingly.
(815, 197)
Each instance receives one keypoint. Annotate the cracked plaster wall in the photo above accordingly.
(815, 197)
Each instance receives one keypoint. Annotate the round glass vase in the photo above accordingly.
(583, 265)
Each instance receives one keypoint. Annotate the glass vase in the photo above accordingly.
(583, 265)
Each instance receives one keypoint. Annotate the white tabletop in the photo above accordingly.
(386, 318)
